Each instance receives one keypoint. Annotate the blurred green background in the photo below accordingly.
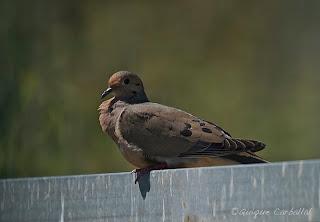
(250, 66)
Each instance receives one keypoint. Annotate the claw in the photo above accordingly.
(140, 173)
(143, 171)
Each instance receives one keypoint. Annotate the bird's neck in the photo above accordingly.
(135, 99)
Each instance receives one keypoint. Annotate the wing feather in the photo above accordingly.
(165, 131)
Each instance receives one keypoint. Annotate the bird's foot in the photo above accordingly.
(143, 171)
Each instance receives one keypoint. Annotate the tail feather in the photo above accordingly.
(245, 158)
(245, 144)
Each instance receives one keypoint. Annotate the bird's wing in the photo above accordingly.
(165, 131)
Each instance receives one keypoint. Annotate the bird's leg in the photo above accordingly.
(143, 171)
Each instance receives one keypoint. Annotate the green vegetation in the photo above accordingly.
(251, 67)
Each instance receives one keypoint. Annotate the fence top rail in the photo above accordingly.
(284, 191)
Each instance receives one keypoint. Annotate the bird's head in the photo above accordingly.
(126, 86)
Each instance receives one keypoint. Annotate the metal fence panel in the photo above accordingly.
(287, 191)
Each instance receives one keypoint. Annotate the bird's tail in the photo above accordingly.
(246, 149)
(246, 145)
(245, 158)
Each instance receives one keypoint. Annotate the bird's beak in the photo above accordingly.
(106, 92)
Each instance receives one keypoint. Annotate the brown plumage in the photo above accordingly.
(149, 134)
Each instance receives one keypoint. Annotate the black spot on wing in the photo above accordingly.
(206, 130)
(186, 132)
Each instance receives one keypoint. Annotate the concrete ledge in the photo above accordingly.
(289, 191)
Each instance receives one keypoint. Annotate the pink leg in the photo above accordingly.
(143, 171)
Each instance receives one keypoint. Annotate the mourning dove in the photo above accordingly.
(154, 136)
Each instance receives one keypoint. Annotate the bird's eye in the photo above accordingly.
(126, 81)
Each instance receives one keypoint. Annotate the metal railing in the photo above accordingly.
(287, 191)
